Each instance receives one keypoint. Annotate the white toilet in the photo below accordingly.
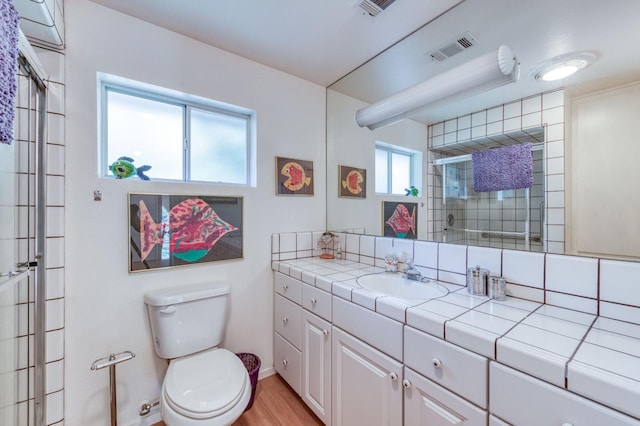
(204, 385)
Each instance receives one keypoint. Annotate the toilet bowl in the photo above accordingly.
(204, 385)
(208, 388)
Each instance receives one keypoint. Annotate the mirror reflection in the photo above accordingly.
(580, 129)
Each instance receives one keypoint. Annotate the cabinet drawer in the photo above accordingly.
(381, 332)
(457, 369)
(316, 301)
(288, 287)
(287, 320)
(524, 400)
(286, 361)
(426, 403)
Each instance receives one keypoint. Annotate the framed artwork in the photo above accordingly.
(294, 177)
(400, 220)
(352, 182)
(177, 230)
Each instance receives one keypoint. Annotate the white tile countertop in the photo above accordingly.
(590, 355)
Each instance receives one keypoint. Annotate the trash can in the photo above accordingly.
(252, 364)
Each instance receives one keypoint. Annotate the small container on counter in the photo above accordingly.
(477, 281)
(497, 288)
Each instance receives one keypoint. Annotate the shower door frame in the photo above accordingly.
(37, 264)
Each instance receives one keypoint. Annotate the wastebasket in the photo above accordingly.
(252, 364)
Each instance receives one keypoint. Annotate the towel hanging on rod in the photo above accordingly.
(499, 169)
(8, 67)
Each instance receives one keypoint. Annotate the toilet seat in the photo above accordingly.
(206, 384)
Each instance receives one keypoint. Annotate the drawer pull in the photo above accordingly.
(406, 383)
(325, 332)
(284, 362)
(436, 363)
(285, 320)
(285, 286)
(313, 301)
(393, 376)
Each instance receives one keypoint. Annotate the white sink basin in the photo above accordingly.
(395, 286)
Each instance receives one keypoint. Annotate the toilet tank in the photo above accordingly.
(188, 318)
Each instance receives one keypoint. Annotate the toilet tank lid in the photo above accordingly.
(185, 293)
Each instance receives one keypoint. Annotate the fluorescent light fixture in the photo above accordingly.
(562, 66)
(486, 72)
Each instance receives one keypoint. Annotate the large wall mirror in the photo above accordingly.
(585, 197)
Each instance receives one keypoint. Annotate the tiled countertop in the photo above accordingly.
(593, 356)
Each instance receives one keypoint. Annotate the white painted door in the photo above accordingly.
(316, 365)
(367, 384)
(429, 404)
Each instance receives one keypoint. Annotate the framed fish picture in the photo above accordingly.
(294, 177)
(178, 230)
(400, 220)
(352, 182)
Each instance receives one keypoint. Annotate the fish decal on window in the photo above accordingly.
(193, 228)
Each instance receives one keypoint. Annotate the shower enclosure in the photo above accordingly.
(22, 238)
(512, 219)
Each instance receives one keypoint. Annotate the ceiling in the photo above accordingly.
(319, 41)
(324, 41)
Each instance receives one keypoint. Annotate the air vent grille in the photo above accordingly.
(462, 43)
(374, 7)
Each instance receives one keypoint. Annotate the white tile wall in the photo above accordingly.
(520, 267)
(572, 274)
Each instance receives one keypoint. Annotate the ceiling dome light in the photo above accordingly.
(562, 66)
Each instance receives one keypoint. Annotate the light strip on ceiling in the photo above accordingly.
(483, 73)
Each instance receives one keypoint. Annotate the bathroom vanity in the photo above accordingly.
(356, 356)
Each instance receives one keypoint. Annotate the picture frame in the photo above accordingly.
(294, 177)
(168, 230)
(352, 182)
(400, 219)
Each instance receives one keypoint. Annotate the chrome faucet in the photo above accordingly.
(410, 272)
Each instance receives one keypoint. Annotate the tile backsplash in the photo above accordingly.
(610, 288)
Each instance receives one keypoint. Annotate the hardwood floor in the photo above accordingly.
(275, 404)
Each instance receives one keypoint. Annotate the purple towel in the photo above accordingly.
(505, 168)
(8, 68)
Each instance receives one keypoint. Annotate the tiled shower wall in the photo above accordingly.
(53, 62)
(493, 212)
(518, 121)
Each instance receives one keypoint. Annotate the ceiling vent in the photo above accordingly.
(462, 43)
(374, 7)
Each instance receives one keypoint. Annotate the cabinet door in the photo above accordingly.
(367, 384)
(428, 404)
(316, 365)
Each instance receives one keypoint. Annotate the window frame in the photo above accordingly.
(414, 157)
(109, 83)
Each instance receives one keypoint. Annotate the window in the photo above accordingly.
(397, 168)
(182, 137)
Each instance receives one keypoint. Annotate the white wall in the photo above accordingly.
(104, 304)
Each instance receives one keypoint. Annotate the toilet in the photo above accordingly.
(204, 385)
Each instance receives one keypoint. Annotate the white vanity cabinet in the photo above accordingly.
(522, 400)
(366, 384)
(316, 365)
(428, 404)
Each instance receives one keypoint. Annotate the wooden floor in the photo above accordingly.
(275, 404)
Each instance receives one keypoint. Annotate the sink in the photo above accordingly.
(395, 286)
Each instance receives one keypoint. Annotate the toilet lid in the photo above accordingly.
(205, 384)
